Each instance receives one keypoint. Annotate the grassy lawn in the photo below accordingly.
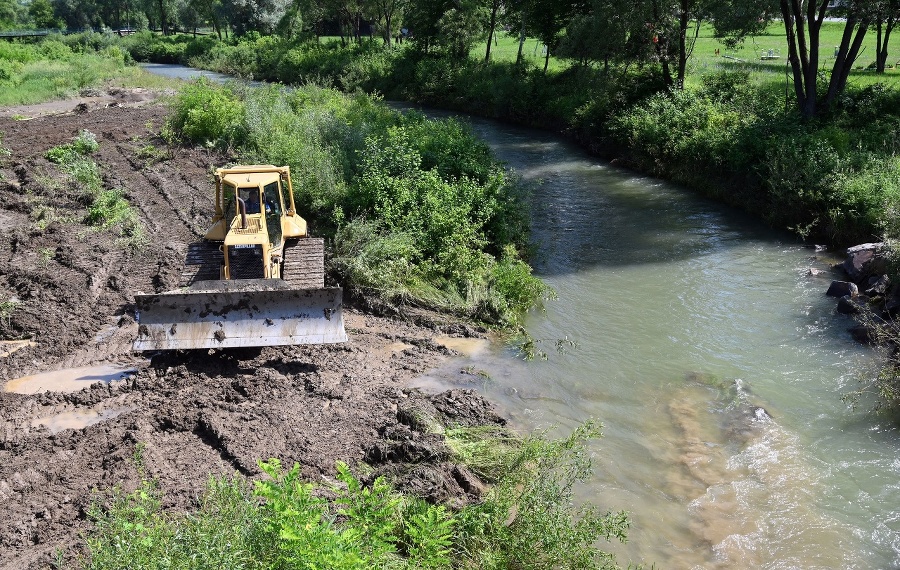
(34, 73)
(754, 53)
(506, 48)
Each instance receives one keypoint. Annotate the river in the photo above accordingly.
(690, 319)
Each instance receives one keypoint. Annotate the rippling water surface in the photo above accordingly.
(714, 361)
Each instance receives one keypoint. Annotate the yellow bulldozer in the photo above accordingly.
(256, 278)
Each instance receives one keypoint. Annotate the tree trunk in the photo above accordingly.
(660, 44)
(683, 21)
(495, 5)
(804, 61)
(847, 54)
(521, 41)
(882, 43)
(162, 18)
(546, 59)
(879, 62)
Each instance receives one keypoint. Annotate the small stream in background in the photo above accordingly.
(714, 360)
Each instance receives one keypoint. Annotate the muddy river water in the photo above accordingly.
(714, 361)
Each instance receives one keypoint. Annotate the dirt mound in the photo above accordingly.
(182, 416)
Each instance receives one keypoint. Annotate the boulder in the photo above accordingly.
(848, 305)
(861, 334)
(842, 289)
(878, 285)
(864, 260)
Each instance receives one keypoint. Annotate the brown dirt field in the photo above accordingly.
(193, 413)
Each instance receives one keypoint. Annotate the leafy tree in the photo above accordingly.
(261, 16)
(388, 14)
(190, 16)
(675, 25)
(460, 26)
(422, 18)
(11, 14)
(734, 20)
(310, 15)
(615, 31)
(161, 14)
(42, 15)
(349, 15)
(210, 11)
(450, 25)
(76, 14)
(548, 19)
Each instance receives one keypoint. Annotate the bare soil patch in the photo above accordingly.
(190, 414)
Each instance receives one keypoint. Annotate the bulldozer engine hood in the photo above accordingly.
(253, 234)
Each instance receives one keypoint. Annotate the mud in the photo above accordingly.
(184, 415)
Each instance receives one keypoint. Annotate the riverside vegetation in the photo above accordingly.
(730, 133)
(526, 520)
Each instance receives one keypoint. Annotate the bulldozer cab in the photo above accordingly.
(255, 201)
(262, 201)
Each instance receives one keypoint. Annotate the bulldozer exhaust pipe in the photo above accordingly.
(233, 314)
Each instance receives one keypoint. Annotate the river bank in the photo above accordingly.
(177, 418)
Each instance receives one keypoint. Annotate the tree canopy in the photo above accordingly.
(589, 32)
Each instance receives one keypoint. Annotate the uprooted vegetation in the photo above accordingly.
(525, 520)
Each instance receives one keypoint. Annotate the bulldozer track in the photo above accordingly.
(304, 263)
(201, 263)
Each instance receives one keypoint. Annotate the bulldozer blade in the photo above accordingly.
(225, 318)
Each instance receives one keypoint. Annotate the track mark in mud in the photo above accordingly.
(212, 435)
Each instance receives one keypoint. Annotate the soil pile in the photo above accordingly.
(180, 417)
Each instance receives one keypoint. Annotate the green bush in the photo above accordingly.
(443, 211)
(527, 520)
(106, 208)
(207, 114)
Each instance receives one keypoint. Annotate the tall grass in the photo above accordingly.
(63, 66)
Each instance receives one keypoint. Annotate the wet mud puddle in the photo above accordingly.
(69, 379)
(79, 418)
(63, 417)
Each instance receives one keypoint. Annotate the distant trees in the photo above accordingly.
(41, 14)
(387, 14)
(606, 32)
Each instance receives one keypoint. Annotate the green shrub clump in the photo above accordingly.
(527, 520)
(418, 210)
